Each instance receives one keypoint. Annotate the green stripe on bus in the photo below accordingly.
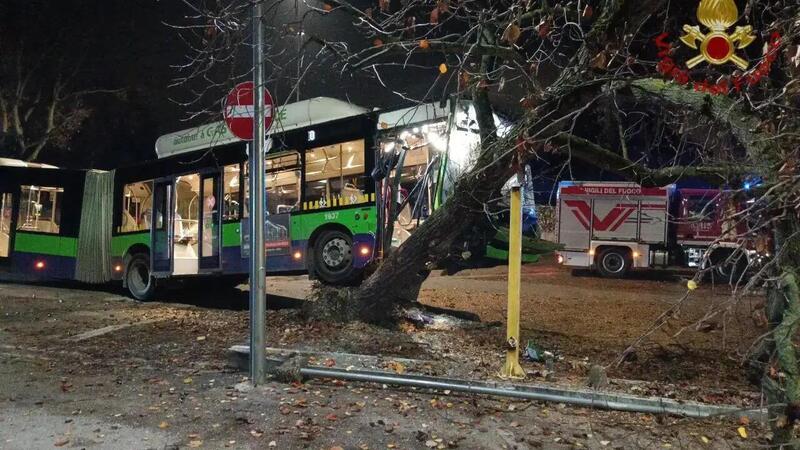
(120, 244)
(231, 235)
(303, 225)
(45, 244)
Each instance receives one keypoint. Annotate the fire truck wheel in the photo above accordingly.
(613, 262)
(140, 283)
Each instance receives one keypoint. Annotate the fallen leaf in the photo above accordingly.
(396, 367)
(744, 420)
(61, 442)
(327, 7)
(423, 44)
(705, 439)
(163, 425)
(742, 432)
(187, 380)
(257, 433)
(512, 33)
(430, 443)
(201, 338)
(195, 444)
(272, 444)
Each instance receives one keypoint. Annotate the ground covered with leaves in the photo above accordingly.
(86, 368)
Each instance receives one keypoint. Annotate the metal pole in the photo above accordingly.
(512, 369)
(258, 292)
(592, 399)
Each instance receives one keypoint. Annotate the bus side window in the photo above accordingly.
(40, 209)
(137, 207)
(335, 174)
(283, 191)
(231, 193)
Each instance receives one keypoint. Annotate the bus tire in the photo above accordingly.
(333, 257)
(140, 282)
(613, 262)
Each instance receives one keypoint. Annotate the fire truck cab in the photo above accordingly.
(614, 227)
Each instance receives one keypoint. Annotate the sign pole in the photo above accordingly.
(512, 369)
(258, 292)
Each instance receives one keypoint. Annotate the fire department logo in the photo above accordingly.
(717, 46)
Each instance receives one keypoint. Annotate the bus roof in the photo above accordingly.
(289, 117)
(9, 162)
(413, 115)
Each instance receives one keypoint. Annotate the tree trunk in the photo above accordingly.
(776, 357)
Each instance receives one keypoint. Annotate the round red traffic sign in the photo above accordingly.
(239, 110)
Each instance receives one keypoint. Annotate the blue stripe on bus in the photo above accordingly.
(54, 267)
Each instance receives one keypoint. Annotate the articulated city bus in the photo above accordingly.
(344, 185)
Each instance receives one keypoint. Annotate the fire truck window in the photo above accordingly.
(335, 175)
(701, 209)
(40, 209)
(137, 207)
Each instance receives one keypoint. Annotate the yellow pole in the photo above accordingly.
(512, 369)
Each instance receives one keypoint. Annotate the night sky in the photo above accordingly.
(126, 45)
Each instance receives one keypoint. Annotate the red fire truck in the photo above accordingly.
(614, 227)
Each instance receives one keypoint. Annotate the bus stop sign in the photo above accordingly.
(239, 110)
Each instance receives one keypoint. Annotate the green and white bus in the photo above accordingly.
(344, 185)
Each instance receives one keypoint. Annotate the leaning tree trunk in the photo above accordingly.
(404, 270)
(400, 275)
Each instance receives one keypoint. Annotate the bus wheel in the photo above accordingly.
(333, 257)
(613, 263)
(140, 283)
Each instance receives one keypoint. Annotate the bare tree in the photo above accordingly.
(598, 83)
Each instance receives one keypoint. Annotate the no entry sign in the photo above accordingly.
(239, 110)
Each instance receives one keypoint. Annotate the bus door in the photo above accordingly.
(210, 225)
(161, 231)
(6, 227)
(283, 197)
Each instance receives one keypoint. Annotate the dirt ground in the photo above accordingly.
(89, 368)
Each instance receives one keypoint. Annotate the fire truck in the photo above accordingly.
(615, 227)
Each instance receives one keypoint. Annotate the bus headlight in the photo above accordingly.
(364, 250)
(39, 265)
(560, 259)
(297, 255)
